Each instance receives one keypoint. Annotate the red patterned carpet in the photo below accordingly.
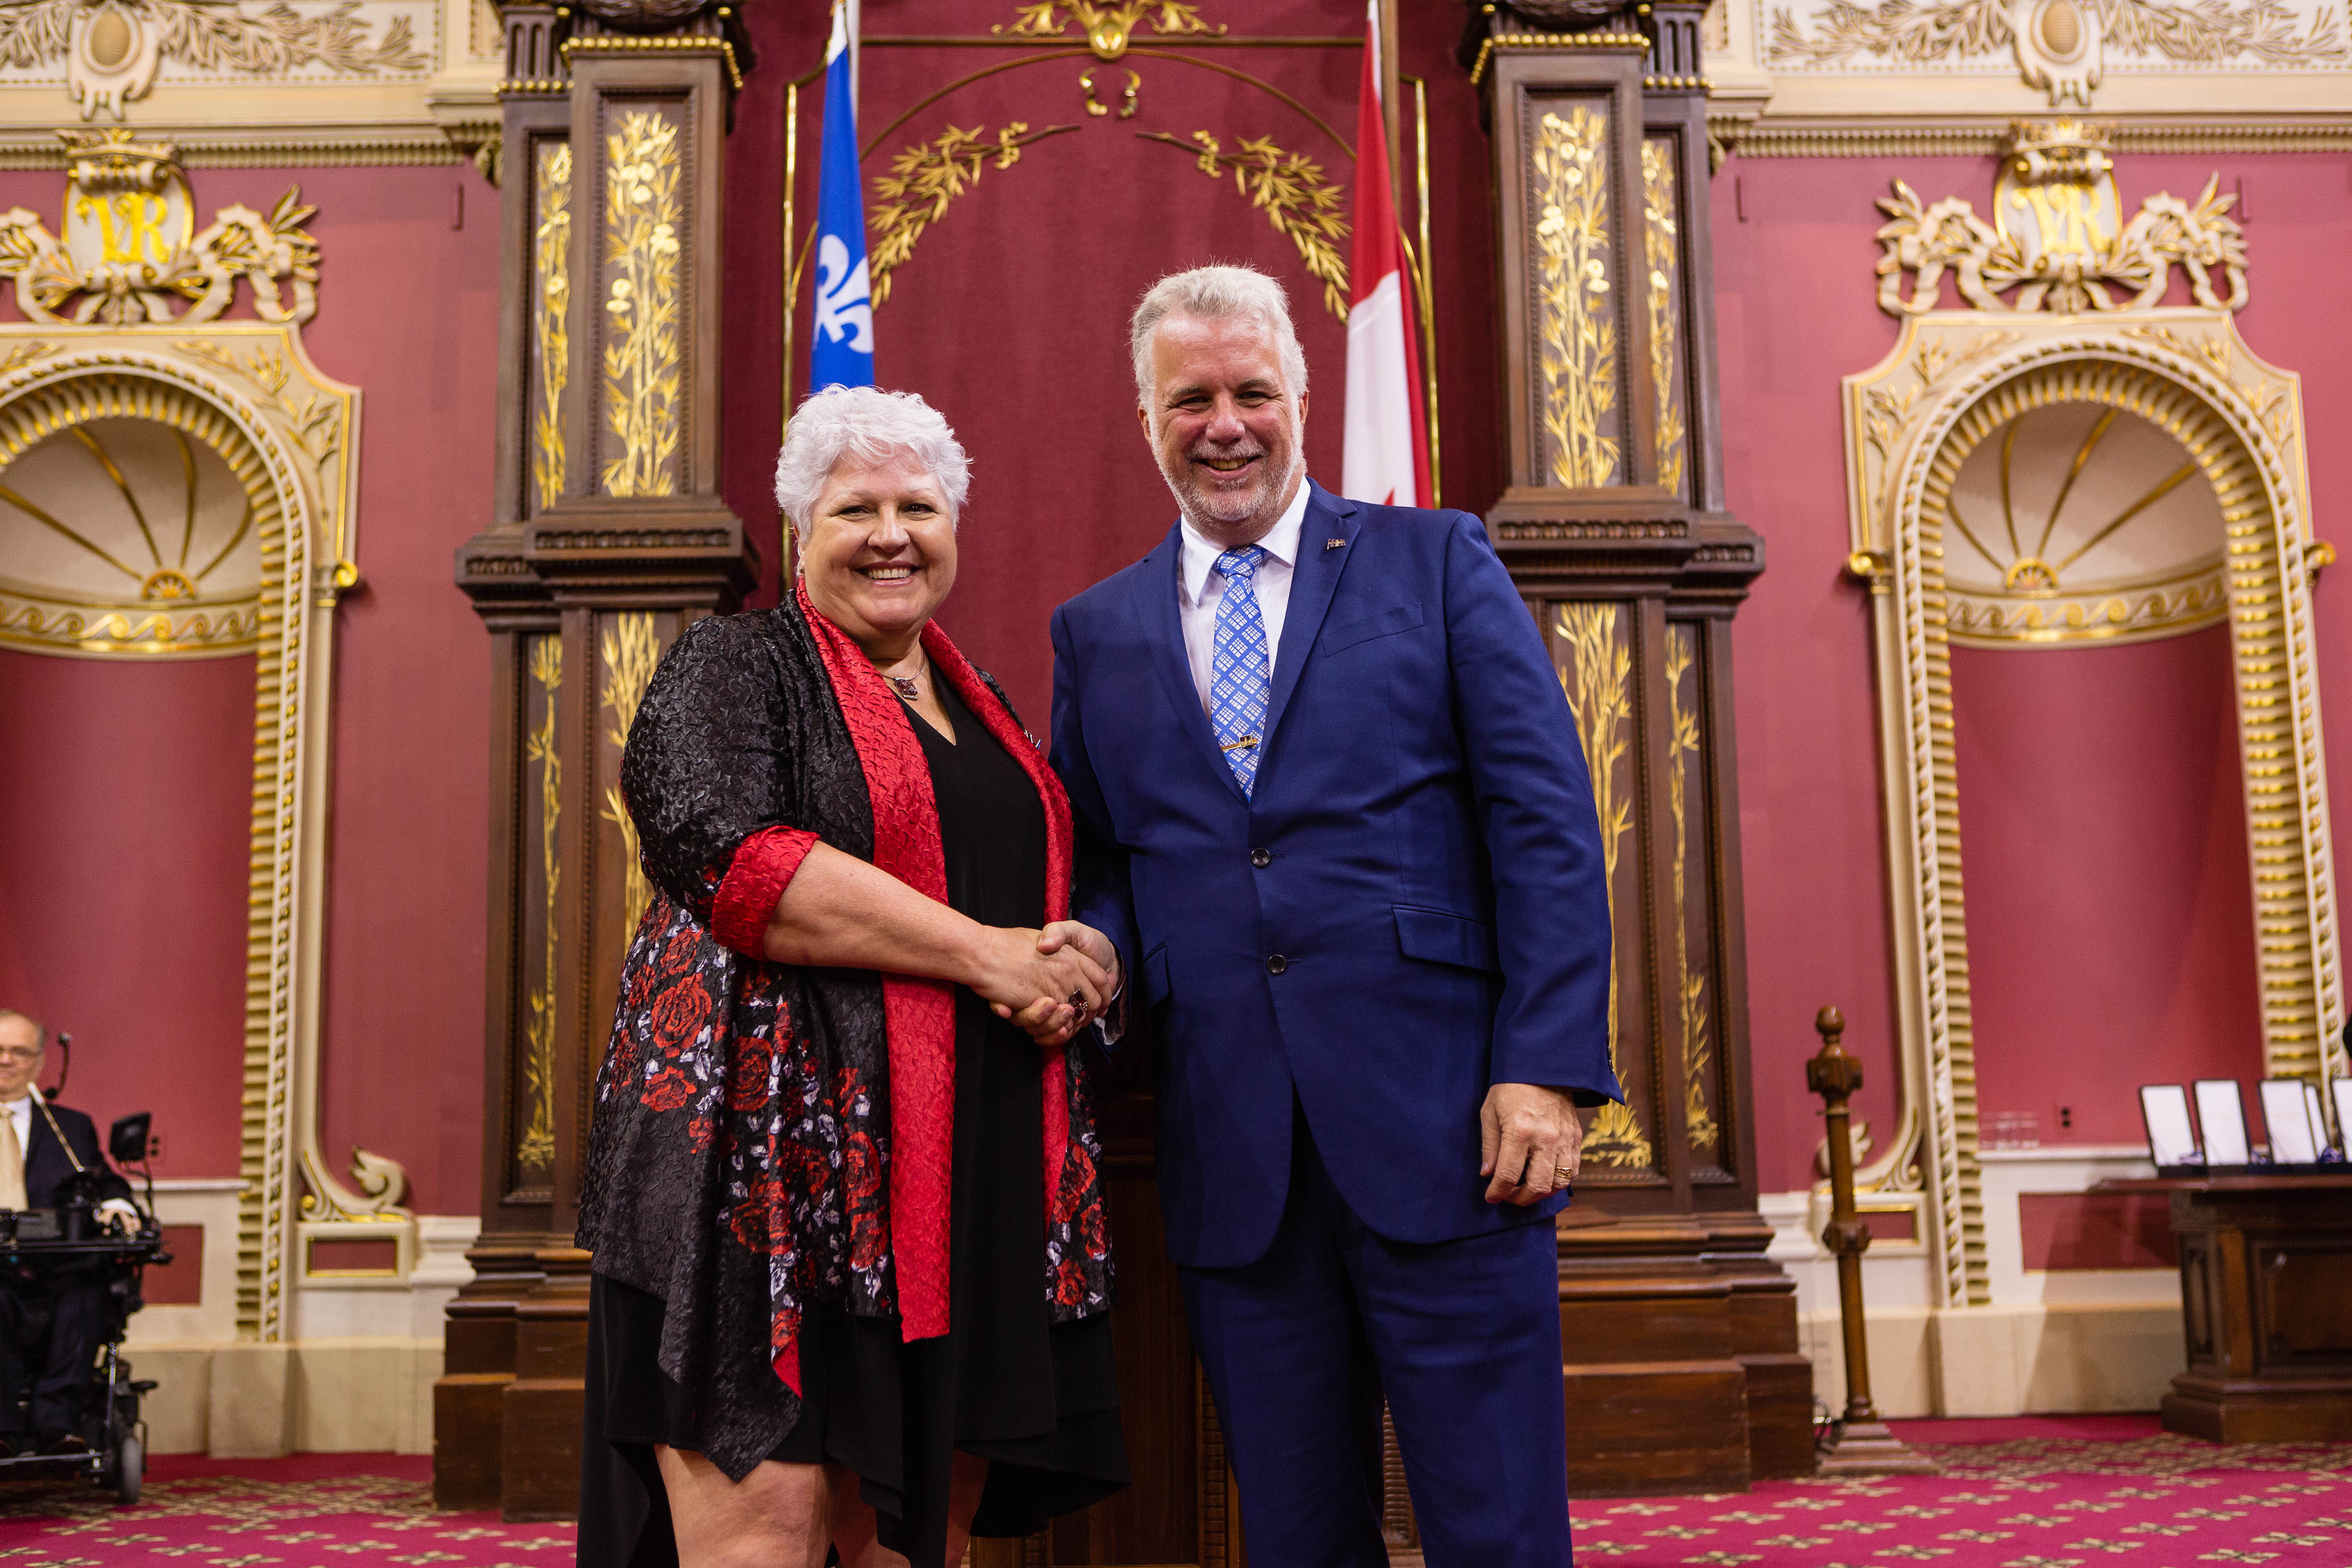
(2054, 1493)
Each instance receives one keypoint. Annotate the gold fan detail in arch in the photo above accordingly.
(133, 537)
(2079, 521)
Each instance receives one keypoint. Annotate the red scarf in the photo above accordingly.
(920, 1014)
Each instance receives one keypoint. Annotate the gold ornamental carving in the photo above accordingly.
(1108, 23)
(925, 178)
(1930, 423)
(2059, 46)
(1690, 983)
(1597, 674)
(1662, 249)
(130, 253)
(551, 330)
(535, 1149)
(112, 48)
(2058, 238)
(1289, 187)
(631, 651)
(1577, 322)
(643, 214)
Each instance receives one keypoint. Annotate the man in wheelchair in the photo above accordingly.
(53, 1314)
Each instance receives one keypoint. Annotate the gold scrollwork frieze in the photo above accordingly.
(1108, 23)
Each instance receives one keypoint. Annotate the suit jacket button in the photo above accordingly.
(1261, 858)
(1277, 964)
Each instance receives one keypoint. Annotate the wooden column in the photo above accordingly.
(1681, 1336)
(608, 535)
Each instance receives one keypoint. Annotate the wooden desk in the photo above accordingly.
(2266, 1305)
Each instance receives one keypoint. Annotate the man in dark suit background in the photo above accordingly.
(34, 1164)
(1333, 815)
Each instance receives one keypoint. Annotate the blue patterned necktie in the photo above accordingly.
(1239, 676)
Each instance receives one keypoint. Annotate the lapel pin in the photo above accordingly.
(1333, 543)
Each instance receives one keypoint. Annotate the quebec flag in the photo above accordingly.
(842, 351)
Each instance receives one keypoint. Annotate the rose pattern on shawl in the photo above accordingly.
(1078, 1273)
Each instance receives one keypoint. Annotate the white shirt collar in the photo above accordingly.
(1281, 542)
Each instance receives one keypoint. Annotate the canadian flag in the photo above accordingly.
(1385, 459)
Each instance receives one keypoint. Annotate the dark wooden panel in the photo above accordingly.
(469, 1440)
(1638, 1430)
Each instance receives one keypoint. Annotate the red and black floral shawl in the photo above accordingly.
(767, 1135)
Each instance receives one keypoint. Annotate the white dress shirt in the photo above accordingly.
(1200, 585)
(20, 1111)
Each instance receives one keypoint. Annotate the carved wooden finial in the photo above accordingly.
(1829, 1024)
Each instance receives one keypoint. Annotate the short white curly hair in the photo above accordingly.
(1215, 292)
(869, 425)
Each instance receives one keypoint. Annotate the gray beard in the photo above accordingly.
(1210, 520)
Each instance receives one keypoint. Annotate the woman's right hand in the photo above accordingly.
(1015, 977)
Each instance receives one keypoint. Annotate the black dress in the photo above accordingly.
(1038, 1400)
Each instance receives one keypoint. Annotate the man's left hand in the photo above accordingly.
(1528, 1135)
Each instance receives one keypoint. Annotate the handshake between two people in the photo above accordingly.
(1052, 983)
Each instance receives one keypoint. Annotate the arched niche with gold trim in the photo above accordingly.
(2152, 470)
(188, 490)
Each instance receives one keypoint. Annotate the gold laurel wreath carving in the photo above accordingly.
(923, 179)
(551, 330)
(1598, 677)
(1289, 187)
(2204, 32)
(535, 1150)
(631, 651)
(1579, 328)
(1661, 246)
(641, 214)
(1690, 988)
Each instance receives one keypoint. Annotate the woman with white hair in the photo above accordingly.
(834, 1303)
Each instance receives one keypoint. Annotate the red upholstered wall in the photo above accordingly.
(1794, 300)
(126, 792)
(122, 877)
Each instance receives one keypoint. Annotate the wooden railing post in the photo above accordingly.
(1859, 1443)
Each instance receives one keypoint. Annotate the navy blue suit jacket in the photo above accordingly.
(1430, 918)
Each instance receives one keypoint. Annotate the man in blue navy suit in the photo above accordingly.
(1332, 813)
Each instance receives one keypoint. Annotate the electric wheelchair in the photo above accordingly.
(41, 1249)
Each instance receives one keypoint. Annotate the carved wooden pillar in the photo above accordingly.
(1682, 1358)
(608, 535)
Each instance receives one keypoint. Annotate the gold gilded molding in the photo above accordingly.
(1628, 43)
(1910, 422)
(1108, 23)
(1690, 985)
(2058, 238)
(1662, 249)
(1598, 677)
(1577, 324)
(631, 651)
(535, 1149)
(924, 178)
(551, 328)
(299, 510)
(131, 254)
(643, 213)
(1303, 206)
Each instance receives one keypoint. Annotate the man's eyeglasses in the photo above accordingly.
(20, 1053)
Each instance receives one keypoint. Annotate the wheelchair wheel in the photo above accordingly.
(130, 1469)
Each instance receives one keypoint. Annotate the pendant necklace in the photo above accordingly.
(905, 685)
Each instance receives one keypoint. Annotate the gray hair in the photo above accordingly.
(1216, 292)
(871, 425)
(40, 1030)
